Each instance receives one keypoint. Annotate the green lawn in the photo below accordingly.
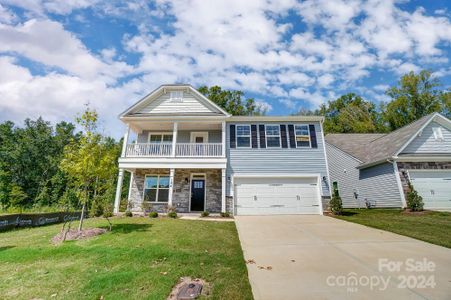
(432, 227)
(128, 263)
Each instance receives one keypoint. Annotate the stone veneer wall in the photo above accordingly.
(181, 190)
(404, 166)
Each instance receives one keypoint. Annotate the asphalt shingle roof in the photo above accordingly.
(374, 147)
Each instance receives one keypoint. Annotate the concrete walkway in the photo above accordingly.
(318, 257)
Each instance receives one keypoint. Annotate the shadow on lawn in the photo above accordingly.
(127, 228)
(349, 213)
(3, 248)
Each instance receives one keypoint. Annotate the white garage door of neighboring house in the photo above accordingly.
(267, 196)
(434, 187)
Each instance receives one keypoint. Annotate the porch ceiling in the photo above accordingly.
(139, 126)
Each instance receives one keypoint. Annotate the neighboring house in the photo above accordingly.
(188, 153)
(376, 168)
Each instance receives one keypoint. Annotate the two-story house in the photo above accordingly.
(190, 154)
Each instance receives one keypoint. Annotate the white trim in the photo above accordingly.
(223, 138)
(174, 137)
(152, 96)
(250, 136)
(309, 137)
(194, 134)
(428, 170)
(422, 158)
(276, 175)
(205, 189)
(320, 192)
(117, 198)
(137, 163)
(325, 157)
(125, 142)
(266, 137)
(158, 187)
(130, 185)
(223, 189)
(399, 183)
(282, 119)
(171, 186)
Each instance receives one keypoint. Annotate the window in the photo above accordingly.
(176, 96)
(156, 188)
(272, 136)
(302, 135)
(243, 136)
(438, 134)
(158, 138)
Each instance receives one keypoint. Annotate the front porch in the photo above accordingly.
(185, 189)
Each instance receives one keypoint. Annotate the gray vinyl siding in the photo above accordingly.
(164, 105)
(183, 136)
(277, 160)
(342, 169)
(426, 143)
(378, 184)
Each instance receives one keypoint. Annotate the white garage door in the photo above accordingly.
(266, 196)
(434, 187)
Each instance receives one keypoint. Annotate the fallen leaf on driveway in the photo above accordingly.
(269, 268)
(250, 261)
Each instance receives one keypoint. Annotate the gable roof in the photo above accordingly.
(144, 107)
(372, 149)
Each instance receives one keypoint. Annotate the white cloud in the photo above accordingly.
(263, 105)
(246, 45)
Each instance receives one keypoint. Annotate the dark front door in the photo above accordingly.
(197, 194)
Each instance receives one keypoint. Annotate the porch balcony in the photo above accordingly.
(181, 150)
(174, 144)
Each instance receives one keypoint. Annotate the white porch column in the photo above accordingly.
(223, 138)
(125, 142)
(132, 177)
(174, 138)
(117, 199)
(223, 194)
(171, 186)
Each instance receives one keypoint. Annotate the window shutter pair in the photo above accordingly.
(232, 141)
(283, 136)
(292, 136)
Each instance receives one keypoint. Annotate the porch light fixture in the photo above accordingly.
(186, 180)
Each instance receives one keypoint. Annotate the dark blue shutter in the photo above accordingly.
(261, 129)
(254, 136)
(292, 136)
(313, 136)
(283, 133)
(232, 136)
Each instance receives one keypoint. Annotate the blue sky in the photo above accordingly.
(55, 56)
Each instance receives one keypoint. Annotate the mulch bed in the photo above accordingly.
(74, 234)
(187, 280)
(415, 213)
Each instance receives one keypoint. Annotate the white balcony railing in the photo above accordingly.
(152, 150)
(198, 150)
(181, 150)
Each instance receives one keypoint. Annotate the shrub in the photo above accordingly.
(172, 215)
(153, 214)
(128, 213)
(225, 214)
(336, 205)
(414, 201)
(205, 214)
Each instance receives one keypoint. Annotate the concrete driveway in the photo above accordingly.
(318, 257)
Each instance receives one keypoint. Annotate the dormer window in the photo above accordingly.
(176, 96)
(438, 134)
